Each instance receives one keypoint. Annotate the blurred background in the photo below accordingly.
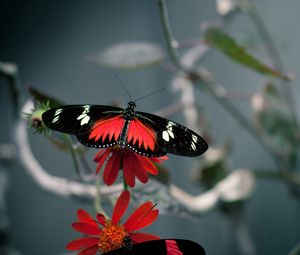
(51, 42)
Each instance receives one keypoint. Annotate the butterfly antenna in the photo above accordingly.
(123, 86)
(145, 215)
(150, 94)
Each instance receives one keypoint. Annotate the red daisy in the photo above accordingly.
(105, 235)
(133, 165)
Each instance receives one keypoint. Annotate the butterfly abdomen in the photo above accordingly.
(123, 136)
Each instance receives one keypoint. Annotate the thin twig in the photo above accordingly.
(172, 43)
(284, 176)
(218, 92)
(52, 184)
(250, 8)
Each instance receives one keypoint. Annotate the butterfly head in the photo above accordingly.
(129, 111)
(131, 105)
(127, 242)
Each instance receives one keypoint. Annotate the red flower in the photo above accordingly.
(105, 235)
(133, 165)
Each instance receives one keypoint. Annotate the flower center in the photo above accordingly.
(111, 237)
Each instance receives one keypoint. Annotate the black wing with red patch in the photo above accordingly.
(171, 137)
(79, 120)
(161, 247)
(144, 133)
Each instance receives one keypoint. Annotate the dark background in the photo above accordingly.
(49, 40)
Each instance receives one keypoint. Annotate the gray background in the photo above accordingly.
(49, 41)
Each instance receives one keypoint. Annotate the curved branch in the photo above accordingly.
(49, 183)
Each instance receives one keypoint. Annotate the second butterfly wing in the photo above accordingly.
(161, 247)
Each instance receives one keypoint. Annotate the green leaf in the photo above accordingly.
(129, 55)
(41, 97)
(225, 43)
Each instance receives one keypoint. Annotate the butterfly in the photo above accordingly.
(102, 126)
(161, 247)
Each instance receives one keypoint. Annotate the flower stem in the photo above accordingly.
(98, 200)
(125, 184)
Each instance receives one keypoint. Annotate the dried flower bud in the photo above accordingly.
(35, 118)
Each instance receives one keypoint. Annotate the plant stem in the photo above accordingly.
(249, 7)
(219, 94)
(98, 199)
(285, 176)
(209, 83)
(73, 153)
(170, 39)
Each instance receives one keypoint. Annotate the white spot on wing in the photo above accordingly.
(170, 133)
(195, 138)
(56, 115)
(55, 119)
(193, 146)
(165, 136)
(84, 117)
(85, 120)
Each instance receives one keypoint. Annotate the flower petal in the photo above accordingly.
(101, 219)
(120, 206)
(89, 251)
(82, 243)
(112, 168)
(148, 219)
(148, 165)
(142, 237)
(86, 228)
(84, 216)
(144, 222)
(139, 169)
(128, 172)
(141, 174)
(100, 159)
(141, 217)
(159, 159)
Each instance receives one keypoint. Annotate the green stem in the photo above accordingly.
(125, 185)
(73, 154)
(97, 201)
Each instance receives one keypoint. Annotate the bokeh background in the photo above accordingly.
(50, 40)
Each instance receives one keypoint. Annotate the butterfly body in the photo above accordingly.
(102, 126)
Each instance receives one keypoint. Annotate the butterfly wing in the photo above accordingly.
(81, 120)
(167, 137)
(162, 247)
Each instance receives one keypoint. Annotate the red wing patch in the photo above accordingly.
(172, 248)
(142, 134)
(111, 128)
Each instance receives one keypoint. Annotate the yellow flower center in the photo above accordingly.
(111, 237)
